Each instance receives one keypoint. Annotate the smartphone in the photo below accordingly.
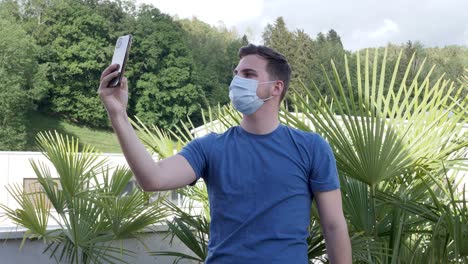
(122, 47)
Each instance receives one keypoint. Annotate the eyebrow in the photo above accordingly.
(245, 71)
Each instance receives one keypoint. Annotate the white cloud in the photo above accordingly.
(383, 32)
(212, 12)
(360, 23)
(389, 27)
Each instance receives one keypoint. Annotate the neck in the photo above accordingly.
(262, 122)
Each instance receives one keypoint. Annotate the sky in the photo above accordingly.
(360, 23)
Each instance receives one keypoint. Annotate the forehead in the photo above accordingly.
(253, 62)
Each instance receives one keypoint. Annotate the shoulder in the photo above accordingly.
(308, 137)
(212, 137)
(205, 140)
(312, 143)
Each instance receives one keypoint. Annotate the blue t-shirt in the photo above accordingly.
(260, 189)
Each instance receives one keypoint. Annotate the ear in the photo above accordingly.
(278, 88)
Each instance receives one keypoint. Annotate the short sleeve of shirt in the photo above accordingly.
(323, 173)
(196, 153)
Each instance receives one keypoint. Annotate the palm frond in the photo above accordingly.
(192, 231)
(93, 211)
(32, 214)
(74, 167)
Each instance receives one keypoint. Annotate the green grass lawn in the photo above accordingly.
(103, 140)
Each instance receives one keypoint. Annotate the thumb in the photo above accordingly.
(124, 85)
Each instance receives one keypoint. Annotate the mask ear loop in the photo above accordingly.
(268, 98)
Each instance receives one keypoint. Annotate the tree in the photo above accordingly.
(277, 36)
(10, 10)
(306, 56)
(76, 40)
(214, 51)
(328, 47)
(296, 46)
(23, 82)
(334, 38)
(161, 71)
(451, 61)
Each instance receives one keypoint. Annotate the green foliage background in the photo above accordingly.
(53, 52)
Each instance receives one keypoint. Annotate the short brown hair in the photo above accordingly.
(277, 64)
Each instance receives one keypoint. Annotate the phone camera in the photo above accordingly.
(119, 42)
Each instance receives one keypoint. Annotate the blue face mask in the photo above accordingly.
(243, 95)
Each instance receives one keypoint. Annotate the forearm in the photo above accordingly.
(138, 158)
(338, 244)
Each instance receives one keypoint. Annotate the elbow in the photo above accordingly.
(150, 187)
(147, 188)
(147, 185)
(337, 226)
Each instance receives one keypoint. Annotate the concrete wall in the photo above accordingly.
(32, 250)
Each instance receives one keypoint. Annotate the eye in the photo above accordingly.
(250, 75)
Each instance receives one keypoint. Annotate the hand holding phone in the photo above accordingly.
(122, 48)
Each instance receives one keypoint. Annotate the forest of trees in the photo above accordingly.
(52, 53)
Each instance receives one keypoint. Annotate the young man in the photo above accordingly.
(261, 176)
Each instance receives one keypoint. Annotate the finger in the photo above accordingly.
(109, 69)
(105, 81)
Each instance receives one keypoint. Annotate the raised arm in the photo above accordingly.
(334, 226)
(171, 173)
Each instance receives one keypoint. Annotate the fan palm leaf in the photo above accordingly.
(386, 137)
(93, 211)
